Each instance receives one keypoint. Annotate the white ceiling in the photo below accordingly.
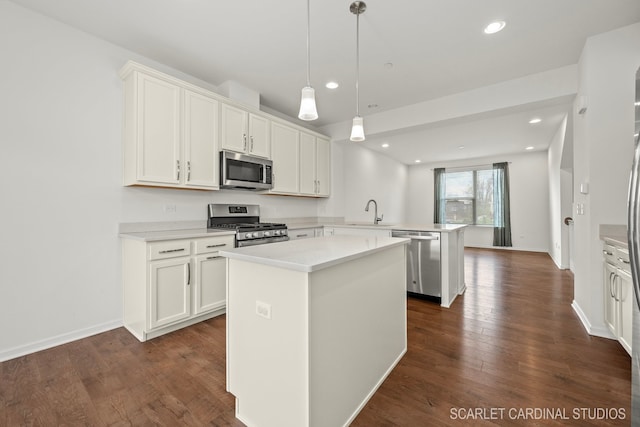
(437, 48)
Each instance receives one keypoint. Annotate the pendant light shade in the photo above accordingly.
(357, 129)
(308, 109)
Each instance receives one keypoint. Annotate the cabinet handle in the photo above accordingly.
(251, 149)
(219, 245)
(171, 250)
(178, 169)
(244, 141)
(301, 235)
(607, 252)
(612, 279)
(189, 273)
(188, 170)
(213, 257)
(623, 260)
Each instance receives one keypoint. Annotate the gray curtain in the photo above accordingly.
(501, 209)
(438, 196)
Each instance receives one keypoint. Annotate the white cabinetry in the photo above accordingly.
(357, 231)
(172, 284)
(305, 233)
(245, 132)
(618, 294)
(315, 165)
(170, 132)
(285, 157)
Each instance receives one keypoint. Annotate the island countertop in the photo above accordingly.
(308, 255)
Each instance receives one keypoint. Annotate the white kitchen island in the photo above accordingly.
(314, 327)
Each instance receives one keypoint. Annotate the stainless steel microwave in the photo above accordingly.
(244, 172)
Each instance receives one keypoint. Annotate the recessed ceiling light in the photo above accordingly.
(385, 145)
(418, 161)
(535, 120)
(332, 85)
(529, 148)
(460, 147)
(494, 27)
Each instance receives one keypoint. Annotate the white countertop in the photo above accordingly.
(308, 255)
(441, 228)
(153, 236)
(194, 233)
(615, 234)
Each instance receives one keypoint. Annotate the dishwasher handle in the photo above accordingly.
(416, 236)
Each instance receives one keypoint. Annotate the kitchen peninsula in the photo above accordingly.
(314, 326)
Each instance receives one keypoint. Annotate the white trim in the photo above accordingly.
(57, 340)
(602, 332)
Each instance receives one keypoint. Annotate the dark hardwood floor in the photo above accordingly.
(510, 344)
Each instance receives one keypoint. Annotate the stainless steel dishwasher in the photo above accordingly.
(423, 263)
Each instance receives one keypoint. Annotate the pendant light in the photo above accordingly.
(357, 129)
(308, 109)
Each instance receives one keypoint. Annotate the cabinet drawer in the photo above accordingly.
(622, 260)
(213, 244)
(609, 253)
(169, 249)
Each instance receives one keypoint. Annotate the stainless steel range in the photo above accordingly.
(245, 220)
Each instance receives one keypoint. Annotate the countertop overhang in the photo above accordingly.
(309, 255)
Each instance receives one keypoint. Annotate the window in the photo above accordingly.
(468, 197)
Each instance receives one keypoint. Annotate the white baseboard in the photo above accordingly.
(22, 350)
(602, 332)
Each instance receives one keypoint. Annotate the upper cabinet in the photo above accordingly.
(315, 165)
(284, 154)
(170, 133)
(200, 141)
(245, 132)
(174, 131)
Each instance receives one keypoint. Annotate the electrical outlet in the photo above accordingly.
(263, 309)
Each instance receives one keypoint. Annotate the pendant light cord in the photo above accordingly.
(358, 63)
(308, 44)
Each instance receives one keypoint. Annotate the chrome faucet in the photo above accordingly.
(375, 214)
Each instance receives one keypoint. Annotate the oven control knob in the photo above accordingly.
(248, 235)
(276, 232)
(267, 233)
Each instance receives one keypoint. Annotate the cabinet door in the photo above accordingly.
(234, 128)
(626, 301)
(170, 291)
(259, 136)
(200, 140)
(610, 298)
(210, 284)
(323, 167)
(284, 154)
(307, 164)
(158, 131)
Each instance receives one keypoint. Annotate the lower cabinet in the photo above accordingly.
(305, 233)
(618, 294)
(358, 231)
(172, 284)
